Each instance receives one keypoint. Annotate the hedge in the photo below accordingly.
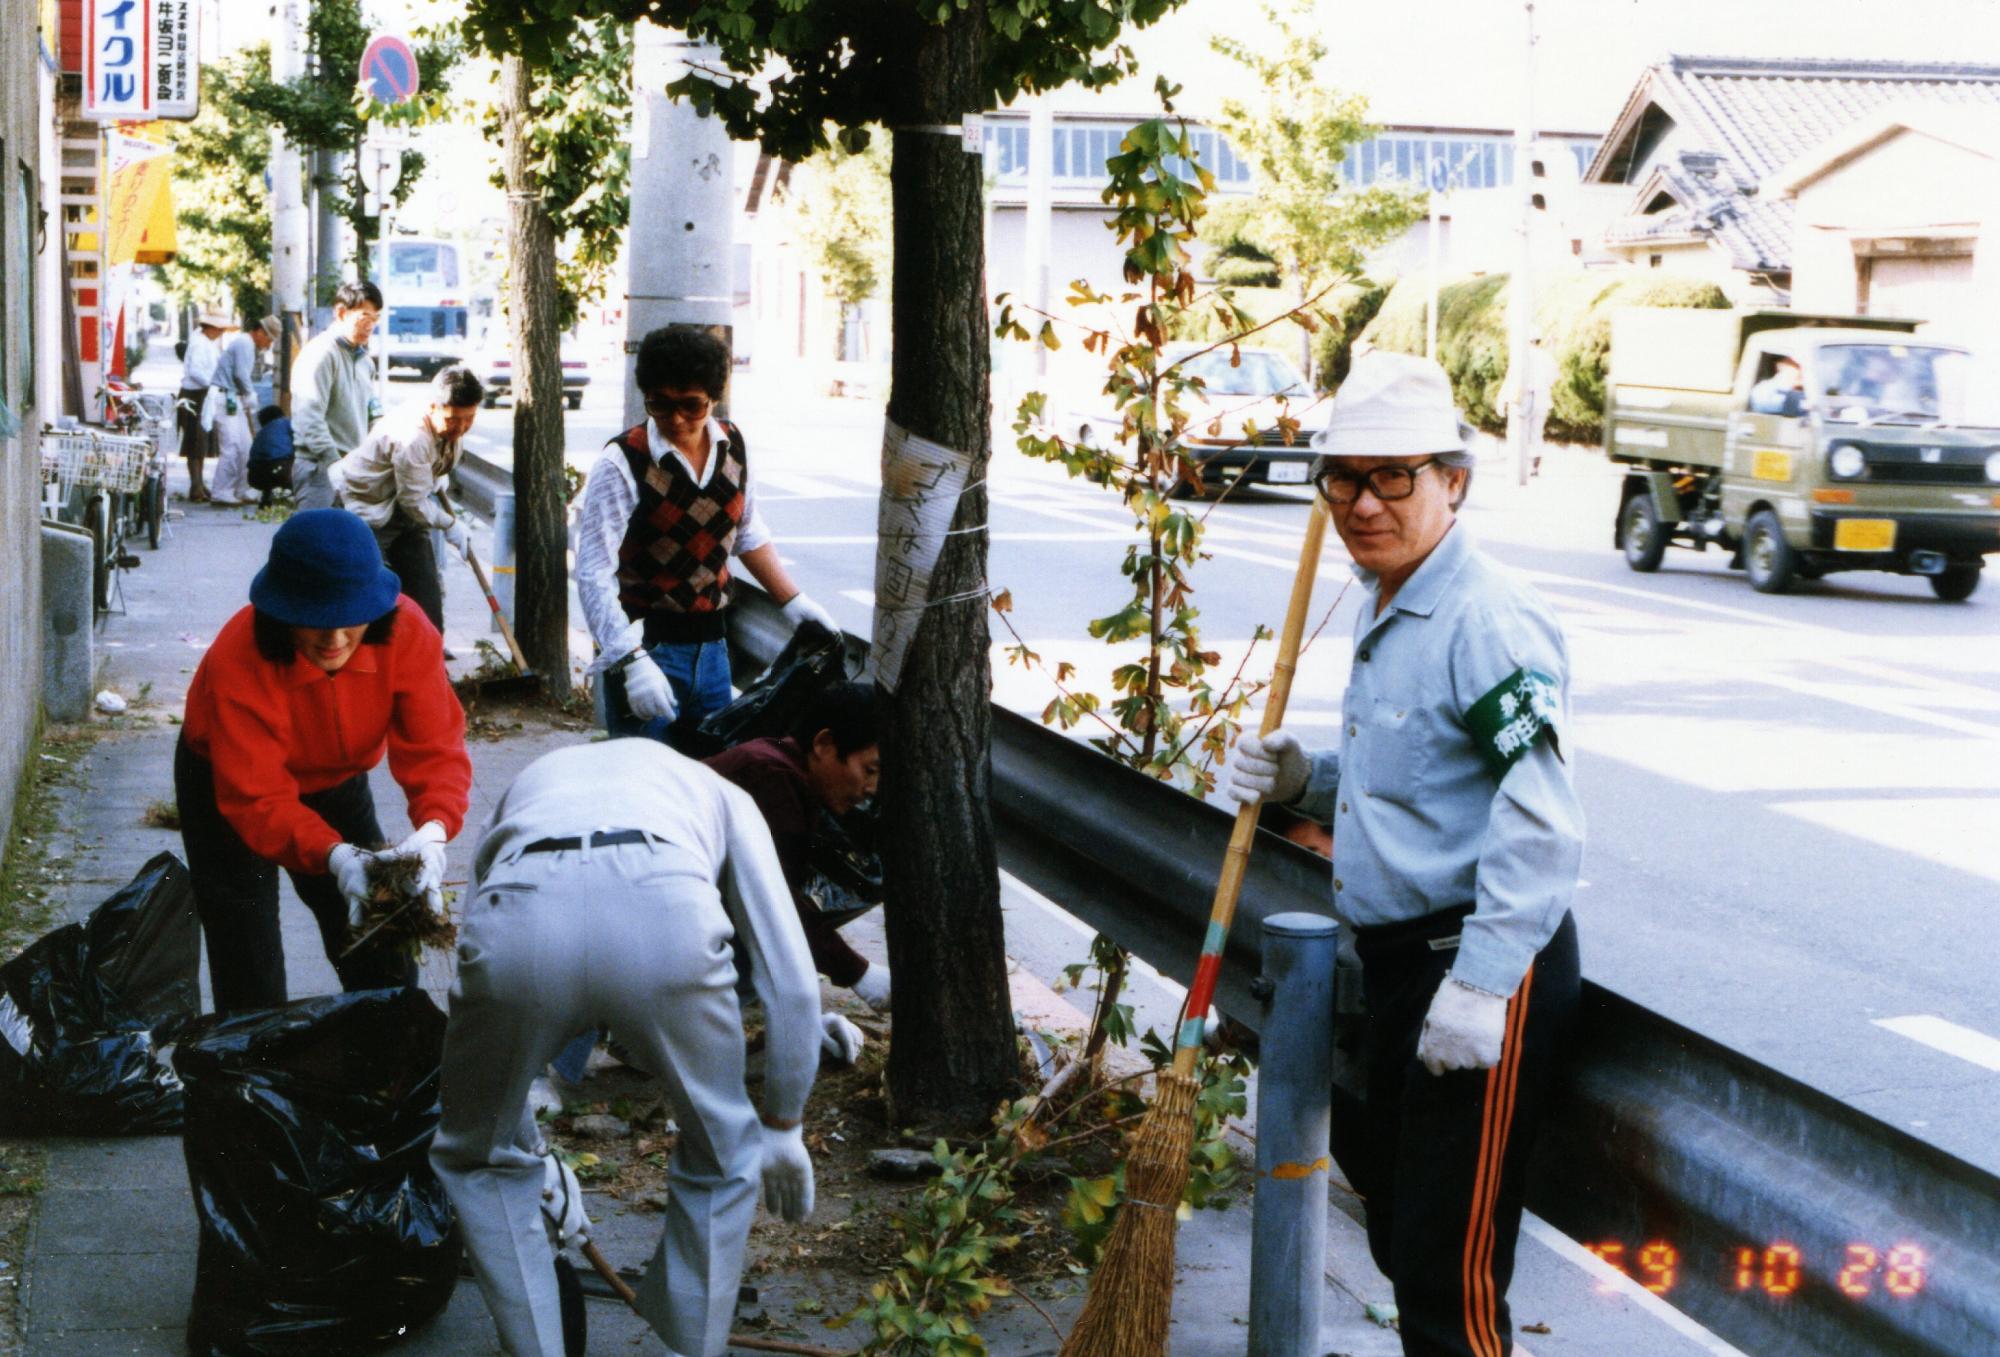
(1573, 314)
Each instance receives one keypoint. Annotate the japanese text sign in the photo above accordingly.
(140, 60)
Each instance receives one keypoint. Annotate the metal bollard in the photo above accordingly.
(1294, 1119)
(503, 554)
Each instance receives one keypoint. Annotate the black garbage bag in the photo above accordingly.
(323, 1227)
(813, 659)
(84, 1009)
(846, 877)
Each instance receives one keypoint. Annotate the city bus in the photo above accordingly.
(427, 304)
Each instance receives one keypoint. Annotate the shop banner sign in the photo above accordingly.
(139, 60)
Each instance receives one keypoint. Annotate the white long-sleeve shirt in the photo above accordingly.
(718, 832)
(610, 496)
(199, 363)
(400, 464)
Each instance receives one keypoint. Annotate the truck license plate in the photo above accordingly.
(1864, 534)
(1287, 473)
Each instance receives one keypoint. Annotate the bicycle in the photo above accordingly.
(94, 480)
(147, 414)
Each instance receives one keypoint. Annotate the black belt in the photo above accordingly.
(603, 838)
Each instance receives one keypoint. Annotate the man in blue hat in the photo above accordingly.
(1457, 837)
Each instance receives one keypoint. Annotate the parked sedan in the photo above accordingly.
(496, 372)
(1258, 389)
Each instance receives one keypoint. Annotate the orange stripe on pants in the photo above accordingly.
(1482, 1328)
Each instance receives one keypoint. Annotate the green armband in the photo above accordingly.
(1505, 722)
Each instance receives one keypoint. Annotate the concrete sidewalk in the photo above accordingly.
(111, 1256)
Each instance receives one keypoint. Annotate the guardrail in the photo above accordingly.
(1663, 1137)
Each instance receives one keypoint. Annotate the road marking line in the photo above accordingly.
(1609, 1278)
(1940, 1035)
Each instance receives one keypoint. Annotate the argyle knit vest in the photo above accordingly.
(674, 558)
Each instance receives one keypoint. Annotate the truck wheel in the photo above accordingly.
(1767, 556)
(1957, 582)
(1642, 534)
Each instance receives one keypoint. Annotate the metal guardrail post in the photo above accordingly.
(1294, 1119)
(503, 554)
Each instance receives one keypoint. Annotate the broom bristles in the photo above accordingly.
(1132, 1296)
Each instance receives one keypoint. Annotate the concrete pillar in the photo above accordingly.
(1294, 1122)
(69, 661)
(680, 259)
(503, 556)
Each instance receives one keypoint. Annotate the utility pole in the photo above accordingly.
(1521, 301)
(683, 205)
(289, 261)
(1041, 155)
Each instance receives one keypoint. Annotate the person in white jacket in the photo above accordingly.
(574, 919)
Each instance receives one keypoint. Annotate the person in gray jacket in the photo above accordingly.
(574, 918)
(333, 393)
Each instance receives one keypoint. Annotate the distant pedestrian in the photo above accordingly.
(270, 464)
(1525, 398)
(235, 424)
(302, 693)
(198, 370)
(668, 503)
(333, 385)
(395, 480)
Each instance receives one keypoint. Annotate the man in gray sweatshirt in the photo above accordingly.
(333, 393)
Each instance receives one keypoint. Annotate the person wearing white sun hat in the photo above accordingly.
(1457, 837)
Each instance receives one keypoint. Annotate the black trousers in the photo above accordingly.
(407, 550)
(236, 894)
(1441, 1160)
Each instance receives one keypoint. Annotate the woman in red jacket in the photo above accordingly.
(301, 694)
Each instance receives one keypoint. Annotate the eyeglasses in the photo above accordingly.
(1398, 480)
(687, 407)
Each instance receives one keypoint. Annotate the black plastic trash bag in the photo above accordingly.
(323, 1227)
(846, 879)
(84, 1009)
(813, 659)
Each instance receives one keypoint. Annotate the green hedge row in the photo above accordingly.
(1573, 314)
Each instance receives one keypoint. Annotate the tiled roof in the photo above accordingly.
(1744, 119)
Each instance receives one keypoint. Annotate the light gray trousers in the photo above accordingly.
(551, 944)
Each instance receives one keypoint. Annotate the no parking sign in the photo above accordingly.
(389, 69)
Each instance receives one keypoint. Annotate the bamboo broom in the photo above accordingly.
(1132, 1296)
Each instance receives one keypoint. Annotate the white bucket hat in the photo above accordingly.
(220, 319)
(1391, 405)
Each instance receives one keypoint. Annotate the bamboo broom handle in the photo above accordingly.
(1237, 861)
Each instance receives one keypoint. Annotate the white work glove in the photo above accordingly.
(458, 537)
(872, 988)
(646, 691)
(788, 1174)
(348, 866)
(562, 1201)
(427, 845)
(802, 609)
(1273, 767)
(1463, 1029)
(840, 1038)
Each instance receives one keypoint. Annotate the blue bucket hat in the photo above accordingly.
(325, 571)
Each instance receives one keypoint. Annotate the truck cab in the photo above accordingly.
(1833, 443)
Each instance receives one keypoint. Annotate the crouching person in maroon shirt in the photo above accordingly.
(830, 761)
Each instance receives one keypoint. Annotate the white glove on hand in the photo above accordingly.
(788, 1174)
(458, 537)
(348, 866)
(562, 1201)
(646, 691)
(427, 845)
(802, 609)
(872, 988)
(1273, 766)
(1463, 1030)
(840, 1038)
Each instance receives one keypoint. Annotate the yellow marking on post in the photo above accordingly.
(1771, 465)
(1286, 1173)
(499, 569)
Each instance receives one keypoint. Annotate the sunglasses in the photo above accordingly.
(687, 407)
(1337, 485)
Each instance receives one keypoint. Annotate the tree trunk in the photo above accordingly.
(953, 1058)
(541, 544)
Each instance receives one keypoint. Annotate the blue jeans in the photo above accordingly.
(698, 674)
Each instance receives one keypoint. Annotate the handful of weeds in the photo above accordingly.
(397, 912)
